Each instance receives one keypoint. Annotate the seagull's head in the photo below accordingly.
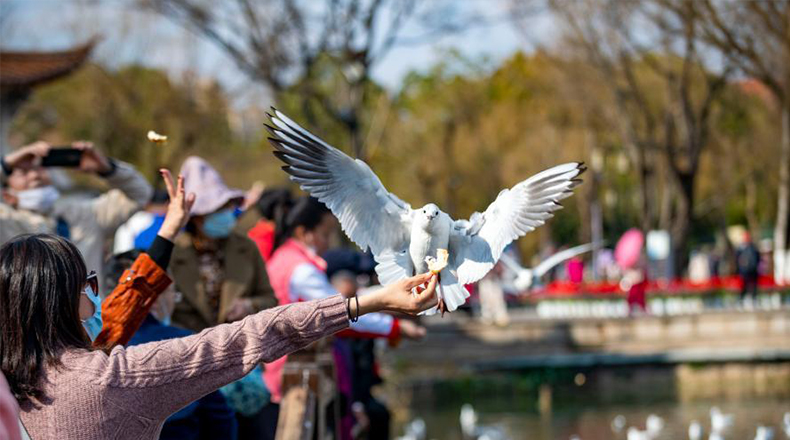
(430, 211)
(426, 215)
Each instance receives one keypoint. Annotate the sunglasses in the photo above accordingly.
(92, 280)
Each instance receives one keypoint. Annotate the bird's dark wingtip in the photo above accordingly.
(270, 129)
(280, 155)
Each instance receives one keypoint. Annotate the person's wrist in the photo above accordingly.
(108, 167)
(373, 302)
(383, 298)
(168, 232)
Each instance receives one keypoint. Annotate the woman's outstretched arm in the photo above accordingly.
(155, 380)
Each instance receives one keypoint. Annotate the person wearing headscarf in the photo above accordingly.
(217, 269)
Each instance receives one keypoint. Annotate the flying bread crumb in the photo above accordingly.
(435, 265)
(156, 137)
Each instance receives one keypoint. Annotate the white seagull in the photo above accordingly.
(472, 431)
(634, 433)
(695, 430)
(654, 424)
(525, 277)
(719, 422)
(764, 433)
(401, 237)
(415, 430)
(618, 423)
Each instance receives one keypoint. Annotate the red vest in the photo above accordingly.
(263, 236)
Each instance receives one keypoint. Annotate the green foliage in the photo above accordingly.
(115, 110)
(456, 134)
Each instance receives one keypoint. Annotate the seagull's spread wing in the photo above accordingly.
(477, 244)
(392, 266)
(371, 216)
(559, 257)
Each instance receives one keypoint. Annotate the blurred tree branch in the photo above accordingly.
(755, 36)
(284, 44)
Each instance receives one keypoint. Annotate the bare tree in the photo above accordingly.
(663, 95)
(755, 36)
(286, 45)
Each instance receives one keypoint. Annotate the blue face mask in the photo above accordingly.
(219, 224)
(93, 324)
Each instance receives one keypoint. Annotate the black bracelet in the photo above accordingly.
(356, 298)
(348, 308)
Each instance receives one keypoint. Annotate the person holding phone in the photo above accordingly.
(30, 203)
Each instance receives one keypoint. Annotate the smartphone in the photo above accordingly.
(62, 157)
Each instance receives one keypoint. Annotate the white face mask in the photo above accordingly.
(37, 199)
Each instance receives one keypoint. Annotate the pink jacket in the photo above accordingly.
(129, 393)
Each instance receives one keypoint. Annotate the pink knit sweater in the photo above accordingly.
(129, 393)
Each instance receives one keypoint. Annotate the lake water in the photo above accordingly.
(511, 402)
(594, 422)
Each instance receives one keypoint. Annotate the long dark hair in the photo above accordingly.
(307, 212)
(274, 205)
(41, 277)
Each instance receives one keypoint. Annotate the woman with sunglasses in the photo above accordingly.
(68, 390)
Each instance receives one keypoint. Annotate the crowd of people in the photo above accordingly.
(145, 314)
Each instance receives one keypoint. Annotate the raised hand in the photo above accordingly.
(28, 155)
(178, 208)
(93, 161)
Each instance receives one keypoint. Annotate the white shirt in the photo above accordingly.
(308, 283)
(128, 232)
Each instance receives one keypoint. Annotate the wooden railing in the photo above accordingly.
(309, 388)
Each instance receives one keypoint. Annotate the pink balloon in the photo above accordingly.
(629, 248)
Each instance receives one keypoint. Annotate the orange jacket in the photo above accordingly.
(124, 310)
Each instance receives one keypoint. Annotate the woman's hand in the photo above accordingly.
(27, 155)
(411, 295)
(178, 208)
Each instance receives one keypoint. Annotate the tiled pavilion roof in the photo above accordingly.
(21, 70)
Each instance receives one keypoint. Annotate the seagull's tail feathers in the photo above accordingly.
(454, 295)
(450, 291)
